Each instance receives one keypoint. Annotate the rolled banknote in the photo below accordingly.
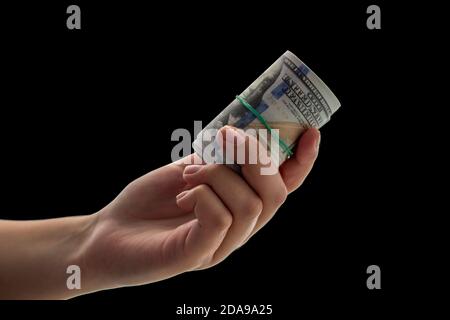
(285, 100)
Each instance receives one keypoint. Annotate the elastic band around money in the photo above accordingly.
(255, 112)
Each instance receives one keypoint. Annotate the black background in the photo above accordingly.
(85, 112)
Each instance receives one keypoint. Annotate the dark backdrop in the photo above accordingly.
(85, 112)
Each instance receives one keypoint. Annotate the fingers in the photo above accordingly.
(243, 203)
(295, 170)
(230, 207)
(268, 184)
(208, 230)
(252, 198)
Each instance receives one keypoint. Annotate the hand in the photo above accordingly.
(180, 218)
(175, 219)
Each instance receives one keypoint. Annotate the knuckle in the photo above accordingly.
(251, 208)
(223, 221)
(192, 263)
(202, 190)
(205, 262)
(199, 262)
(280, 196)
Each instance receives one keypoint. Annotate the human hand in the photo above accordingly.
(181, 218)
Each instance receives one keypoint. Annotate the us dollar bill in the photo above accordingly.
(288, 96)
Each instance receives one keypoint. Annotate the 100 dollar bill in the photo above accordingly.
(288, 96)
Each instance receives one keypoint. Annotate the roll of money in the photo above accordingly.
(287, 98)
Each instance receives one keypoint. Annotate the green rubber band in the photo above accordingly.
(255, 112)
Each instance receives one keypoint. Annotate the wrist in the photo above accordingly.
(36, 256)
(77, 246)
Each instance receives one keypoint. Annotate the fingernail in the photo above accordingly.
(235, 136)
(192, 169)
(318, 142)
(182, 194)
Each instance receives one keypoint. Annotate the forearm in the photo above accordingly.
(34, 256)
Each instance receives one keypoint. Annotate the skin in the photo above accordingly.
(175, 219)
